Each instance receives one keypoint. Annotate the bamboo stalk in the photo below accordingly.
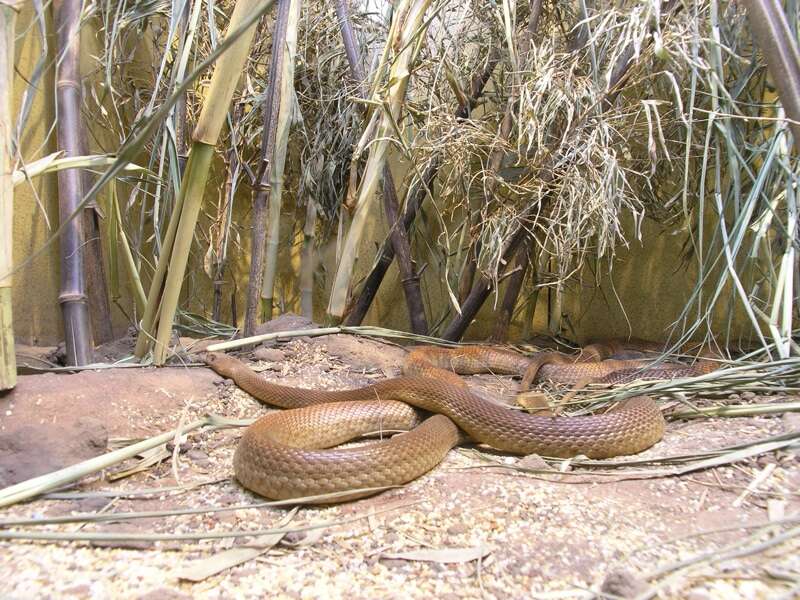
(484, 285)
(8, 364)
(277, 161)
(72, 297)
(402, 249)
(407, 25)
(96, 280)
(515, 280)
(162, 304)
(139, 296)
(398, 233)
(307, 261)
(224, 219)
(480, 291)
(271, 110)
(498, 153)
(771, 31)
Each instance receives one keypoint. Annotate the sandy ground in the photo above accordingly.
(516, 534)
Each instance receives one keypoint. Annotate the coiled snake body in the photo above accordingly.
(290, 454)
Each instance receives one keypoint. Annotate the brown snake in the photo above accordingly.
(290, 454)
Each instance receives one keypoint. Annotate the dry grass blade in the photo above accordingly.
(676, 465)
(209, 535)
(201, 569)
(441, 555)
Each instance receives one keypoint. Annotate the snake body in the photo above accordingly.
(290, 454)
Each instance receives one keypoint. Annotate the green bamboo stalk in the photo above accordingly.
(278, 159)
(407, 25)
(163, 303)
(8, 363)
(271, 112)
(192, 187)
(130, 264)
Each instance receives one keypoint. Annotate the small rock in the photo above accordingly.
(92, 504)
(394, 563)
(285, 322)
(790, 422)
(734, 397)
(748, 395)
(82, 590)
(294, 537)
(269, 354)
(457, 529)
(193, 345)
(534, 461)
(183, 448)
(197, 456)
(624, 584)
(164, 593)
(697, 595)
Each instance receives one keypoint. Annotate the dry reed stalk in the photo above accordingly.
(8, 19)
(307, 263)
(277, 161)
(415, 198)
(262, 207)
(398, 234)
(408, 28)
(772, 34)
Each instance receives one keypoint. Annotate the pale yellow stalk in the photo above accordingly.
(408, 25)
(8, 363)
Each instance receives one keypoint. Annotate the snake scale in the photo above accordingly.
(292, 454)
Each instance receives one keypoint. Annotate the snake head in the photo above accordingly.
(219, 362)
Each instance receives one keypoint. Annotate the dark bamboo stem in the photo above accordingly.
(481, 289)
(96, 283)
(402, 248)
(513, 288)
(398, 236)
(72, 296)
(415, 199)
(262, 187)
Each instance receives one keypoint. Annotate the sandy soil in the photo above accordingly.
(518, 534)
